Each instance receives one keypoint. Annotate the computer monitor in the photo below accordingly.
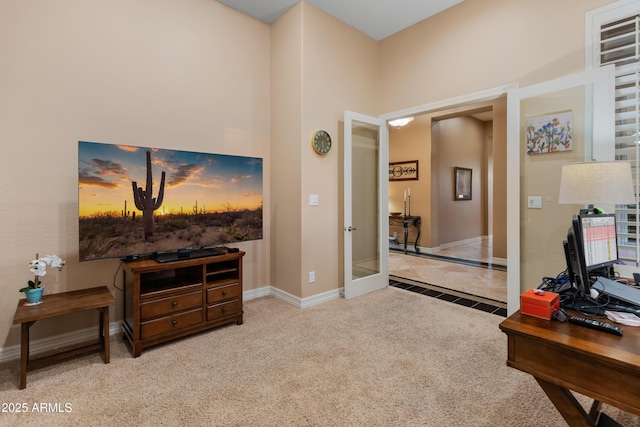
(600, 243)
(574, 254)
(591, 248)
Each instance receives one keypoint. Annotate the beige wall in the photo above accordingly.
(460, 143)
(316, 77)
(415, 142)
(339, 72)
(196, 75)
(286, 151)
(499, 196)
(190, 75)
(481, 44)
(543, 230)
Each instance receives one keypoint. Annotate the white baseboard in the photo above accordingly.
(462, 242)
(55, 342)
(52, 343)
(499, 261)
(256, 293)
(306, 302)
(436, 249)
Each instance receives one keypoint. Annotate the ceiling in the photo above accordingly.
(376, 18)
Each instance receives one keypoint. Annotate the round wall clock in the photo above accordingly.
(321, 142)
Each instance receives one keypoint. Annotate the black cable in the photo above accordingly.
(115, 275)
(555, 284)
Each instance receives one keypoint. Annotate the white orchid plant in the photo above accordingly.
(39, 268)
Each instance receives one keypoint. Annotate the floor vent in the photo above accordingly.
(468, 300)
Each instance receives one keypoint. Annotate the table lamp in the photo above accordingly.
(591, 183)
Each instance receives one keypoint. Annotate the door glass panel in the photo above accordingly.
(365, 154)
(556, 123)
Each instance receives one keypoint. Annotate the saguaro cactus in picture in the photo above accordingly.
(145, 201)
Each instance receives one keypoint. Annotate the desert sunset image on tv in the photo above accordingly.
(139, 200)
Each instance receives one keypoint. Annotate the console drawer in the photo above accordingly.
(170, 305)
(222, 293)
(224, 309)
(170, 323)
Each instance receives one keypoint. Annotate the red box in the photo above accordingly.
(539, 303)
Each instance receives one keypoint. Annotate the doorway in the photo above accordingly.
(463, 232)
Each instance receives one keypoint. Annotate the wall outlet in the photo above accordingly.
(312, 276)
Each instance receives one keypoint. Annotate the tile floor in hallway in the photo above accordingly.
(466, 269)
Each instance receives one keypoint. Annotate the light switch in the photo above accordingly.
(535, 202)
(313, 200)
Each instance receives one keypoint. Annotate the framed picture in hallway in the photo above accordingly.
(403, 171)
(462, 183)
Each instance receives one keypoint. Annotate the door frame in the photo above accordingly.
(600, 103)
(451, 103)
(360, 286)
(459, 101)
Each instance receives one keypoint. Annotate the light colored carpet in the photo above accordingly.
(390, 358)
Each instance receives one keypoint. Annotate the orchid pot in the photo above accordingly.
(38, 267)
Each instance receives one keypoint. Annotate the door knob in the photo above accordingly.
(350, 228)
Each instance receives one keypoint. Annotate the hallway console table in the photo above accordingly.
(409, 226)
(54, 305)
(563, 357)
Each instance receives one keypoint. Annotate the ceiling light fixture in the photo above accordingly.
(401, 122)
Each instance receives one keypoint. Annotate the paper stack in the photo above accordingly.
(628, 319)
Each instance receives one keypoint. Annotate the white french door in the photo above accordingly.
(366, 226)
(535, 236)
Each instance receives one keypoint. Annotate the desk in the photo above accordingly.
(563, 357)
(57, 305)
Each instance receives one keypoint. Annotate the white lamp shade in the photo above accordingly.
(592, 183)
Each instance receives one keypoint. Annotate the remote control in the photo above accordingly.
(596, 324)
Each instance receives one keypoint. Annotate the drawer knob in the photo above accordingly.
(174, 304)
(174, 322)
(224, 293)
(224, 309)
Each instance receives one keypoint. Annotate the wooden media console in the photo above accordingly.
(165, 301)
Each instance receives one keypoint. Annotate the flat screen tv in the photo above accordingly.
(138, 201)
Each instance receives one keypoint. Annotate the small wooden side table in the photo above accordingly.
(57, 305)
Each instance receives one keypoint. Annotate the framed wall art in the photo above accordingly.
(550, 133)
(403, 171)
(462, 183)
